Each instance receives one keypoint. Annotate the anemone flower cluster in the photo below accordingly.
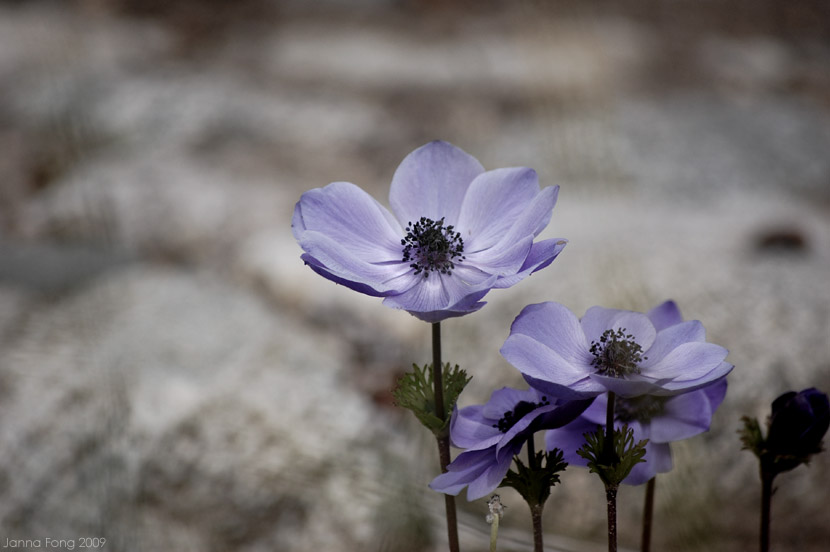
(454, 233)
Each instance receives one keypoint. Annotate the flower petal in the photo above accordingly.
(632, 385)
(535, 359)
(665, 315)
(466, 467)
(493, 203)
(658, 460)
(541, 255)
(438, 296)
(599, 319)
(471, 429)
(569, 439)
(331, 259)
(529, 223)
(674, 387)
(672, 337)
(556, 327)
(684, 416)
(493, 476)
(352, 218)
(432, 182)
(688, 362)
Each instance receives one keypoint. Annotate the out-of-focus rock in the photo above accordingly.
(177, 412)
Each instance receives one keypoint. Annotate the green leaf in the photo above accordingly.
(535, 484)
(615, 465)
(415, 392)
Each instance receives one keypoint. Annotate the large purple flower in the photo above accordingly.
(626, 352)
(495, 432)
(661, 420)
(457, 232)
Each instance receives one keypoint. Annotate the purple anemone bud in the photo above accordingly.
(798, 423)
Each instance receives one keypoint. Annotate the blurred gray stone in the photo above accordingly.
(173, 411)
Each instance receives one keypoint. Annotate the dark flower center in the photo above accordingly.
(522, 409)
(616, 353)
(431, 246)
(641, 409)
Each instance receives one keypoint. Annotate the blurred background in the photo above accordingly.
(173, 378)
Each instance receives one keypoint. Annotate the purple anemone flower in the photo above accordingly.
(661, 420)
(455, 232)
(495, 432)
(626, 352)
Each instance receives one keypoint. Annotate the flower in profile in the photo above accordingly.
(625, 352)
(455, 232)
(662, 420)
(494, 433)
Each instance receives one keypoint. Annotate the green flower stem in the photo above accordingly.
(609, 430)
(611, 460)
(611, 498)
(648, 514)
(494, 533)
(443, 440)
(536, 507)
(766, 505)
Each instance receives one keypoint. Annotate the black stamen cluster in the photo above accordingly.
(616, 353)
(432, 246)
(641, 409)
(521, 410)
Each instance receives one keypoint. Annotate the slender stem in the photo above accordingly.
(612, 459)
(766, 505)
(494, 532)
(535, 509)
(531, 453)
(648, 514)
(443, 441)
(536, 516)
(609, 429)
(611, 497)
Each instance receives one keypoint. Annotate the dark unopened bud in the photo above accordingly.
(798, 424)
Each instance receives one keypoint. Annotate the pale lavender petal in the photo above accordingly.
(505, 400)
(688, 362)
(674, 387)
(539, 361)
(541, 255)
(569, 439)
(494, 201)
(350, 216)
(671, 338)
(599, 319)
(441, 292)
(466, 467)
(432, 182)
(532, 220)
(684, 416)
(493, 476)
(556, 327)
(629, 386)
(504, 262)
(665, 315)
(582, 389)
(470, 429)
(716, 392)
(596, 412)
(658, 460)
(333, 258)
